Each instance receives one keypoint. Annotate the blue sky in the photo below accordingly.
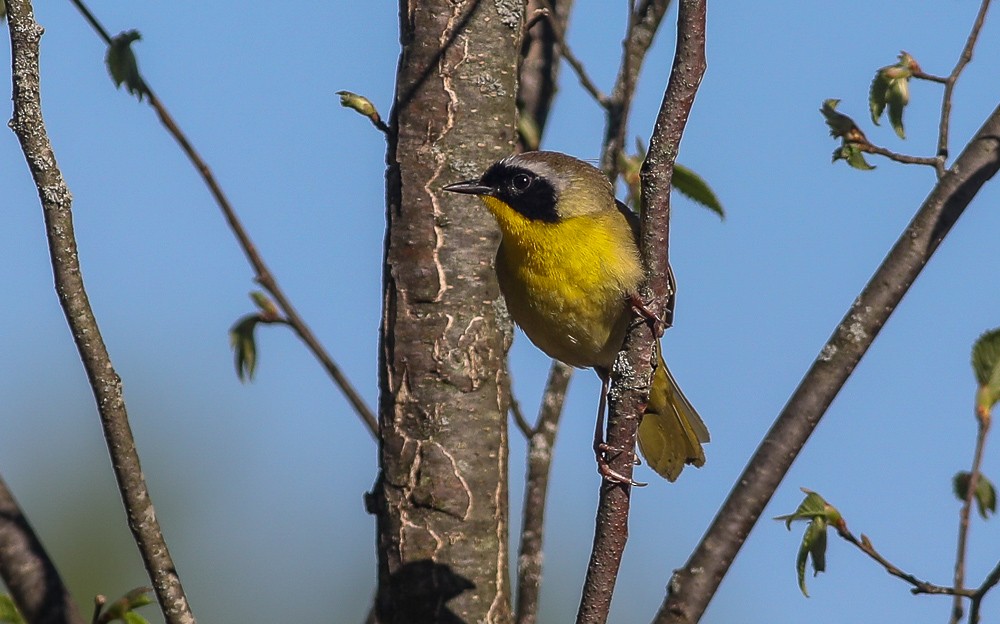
(259, 487)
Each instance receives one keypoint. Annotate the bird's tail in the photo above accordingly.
(671, 432)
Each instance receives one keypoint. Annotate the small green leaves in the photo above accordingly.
(241, 338)
(364, 106)
(852, 138)
(686, 181)
(123, 66)
(854, 156)
(985, 494)
(692, 186)
(8, 610)
(820, 515)
(891, 89)
(986, 365)
(124, 608)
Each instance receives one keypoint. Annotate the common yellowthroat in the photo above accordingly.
(568, 265)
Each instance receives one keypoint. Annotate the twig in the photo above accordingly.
(516, 412)
(642, 26)
(989, 583)
(56, 202)
(919, 586)
(922, 75)
(949, 84)
(694, 585)
(541, 443)
(263, 275)
(28, 572)
(631, 380)
(558, 30)
(963, 514)
(937, 163)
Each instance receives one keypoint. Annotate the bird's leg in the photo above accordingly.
(601, 448)
(639, 306)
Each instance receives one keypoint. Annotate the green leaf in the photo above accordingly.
(813, 546)
(686, 181)
(891, 89)
(695, 188)
(986, 366)
(812, 506)
(241, 338)
(985, 495)
(134, 618)
(122, 65)
(3, 10)
(853, 155)
(8, 610)
(820, 515)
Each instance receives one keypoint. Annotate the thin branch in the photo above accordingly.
(56, 201)
(631, 378)
(263, 275)
(540, 447)
(28, 572)
(516, 412)
(558, 29)
(643, 24)
(922, 75)
(919, 586)
(949, 85)
(936, 163)
(963, 514)
(694, 585)
(989, 583)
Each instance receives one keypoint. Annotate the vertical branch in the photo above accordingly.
(27, 571)
(693, 586)
(963, 515)
(644, 21)
(540, 446)
(632, 371)
(56, 200)
(949, 83)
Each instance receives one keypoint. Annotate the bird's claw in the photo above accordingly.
(609, 474)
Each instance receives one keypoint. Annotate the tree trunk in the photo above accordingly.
(441, 499)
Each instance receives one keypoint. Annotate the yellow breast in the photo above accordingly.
(566, 283)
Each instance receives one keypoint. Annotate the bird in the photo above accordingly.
(569, 268)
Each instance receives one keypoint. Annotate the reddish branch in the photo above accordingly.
(631, 381)
(263, 275)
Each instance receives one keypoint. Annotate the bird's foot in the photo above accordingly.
(642, 309)
(601, 452)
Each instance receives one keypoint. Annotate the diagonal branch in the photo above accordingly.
(631, 373)
(27, 571)
(693, 586)
(963, 514)
(263, 275)
(56, 200)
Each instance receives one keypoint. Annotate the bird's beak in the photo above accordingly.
(469, 187)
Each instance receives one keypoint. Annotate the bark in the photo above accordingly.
(441, 498)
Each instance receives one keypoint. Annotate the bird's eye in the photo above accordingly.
(521, 181)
